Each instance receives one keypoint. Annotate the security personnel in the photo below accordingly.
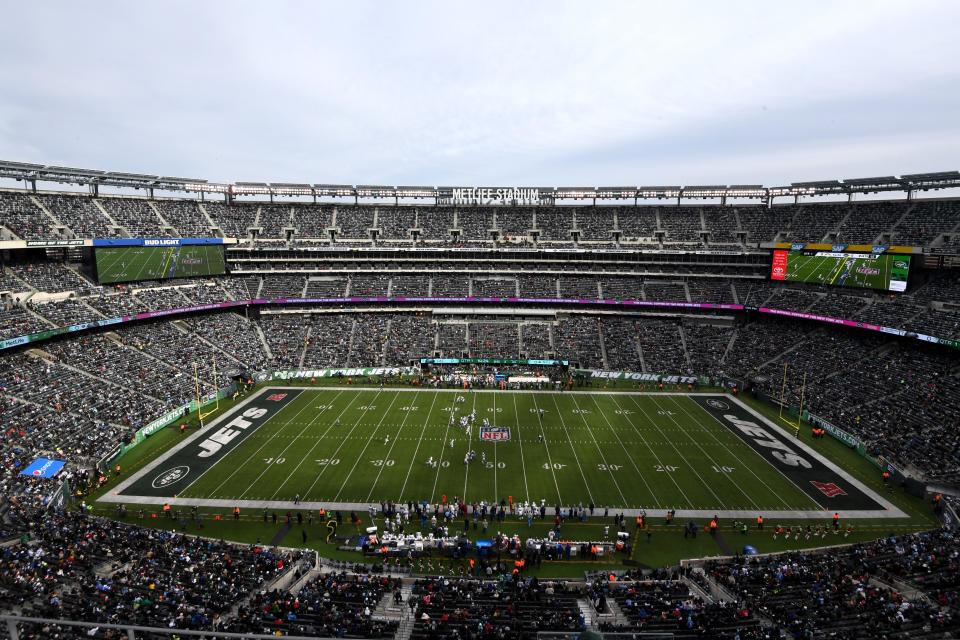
(760, 522)
(836, 520)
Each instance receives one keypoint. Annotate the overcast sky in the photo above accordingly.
(512, 93)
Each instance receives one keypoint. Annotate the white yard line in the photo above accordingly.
(396, 438)
(343, 441)
(413, 458)
(523, 464)
(563, 423)
(252, 455)
(373, 434)
(738, 458)
(320, 439)
(682, 457)
(624, 447)
(710, 458)
(546, 447)
(466, 472)
(656, 456)
(266, 468)
(600, 451)
(443, 447)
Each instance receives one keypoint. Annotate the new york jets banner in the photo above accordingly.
(357, 372)
(851, 441)
(636, 376)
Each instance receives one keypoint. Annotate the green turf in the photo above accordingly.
(129, 264)
(652, 451)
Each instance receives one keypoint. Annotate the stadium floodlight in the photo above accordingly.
(376, 191)
(704, 191)
(290, 189)
(659, 192)
(334, 190)
(416, 192)
(616, 193)
(576, 193)
(251, 189)
(746, 191)
(938, 180)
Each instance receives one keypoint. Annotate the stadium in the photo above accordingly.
(378, 371)
(422, 386)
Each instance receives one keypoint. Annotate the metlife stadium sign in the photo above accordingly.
(493, 196)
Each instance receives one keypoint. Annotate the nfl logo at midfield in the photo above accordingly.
(495, 433)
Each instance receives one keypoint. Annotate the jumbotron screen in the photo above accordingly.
(888, 272)
(130, 264)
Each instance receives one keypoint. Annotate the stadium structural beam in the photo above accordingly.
(909, 184)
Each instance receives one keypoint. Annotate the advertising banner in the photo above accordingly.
(43, 468)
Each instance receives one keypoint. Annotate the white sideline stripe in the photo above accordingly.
(813, 453)
(364, 506)
(890, 511)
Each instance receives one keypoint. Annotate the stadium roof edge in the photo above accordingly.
(33, 173)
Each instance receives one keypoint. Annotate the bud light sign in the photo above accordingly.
(43, 468)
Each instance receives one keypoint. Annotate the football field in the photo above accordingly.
(865, 272)
(347, 447)
(129, 264)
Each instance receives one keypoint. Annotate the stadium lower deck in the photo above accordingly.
(350, 448)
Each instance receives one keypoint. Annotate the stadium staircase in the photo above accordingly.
(117, 229)
(834, 235)
(164, 224)
(215, 229)
(213, 346)
(306, 345)
(61, 228)
(603, 346)
(733, 339)
(683, 343)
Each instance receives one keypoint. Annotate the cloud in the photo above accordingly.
(513, 93)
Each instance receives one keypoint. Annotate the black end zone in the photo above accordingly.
(185, 466)
(824, 485)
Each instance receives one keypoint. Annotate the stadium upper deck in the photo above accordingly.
(698, 217)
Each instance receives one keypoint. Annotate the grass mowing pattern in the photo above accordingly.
(129, 264)
(650, 451)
